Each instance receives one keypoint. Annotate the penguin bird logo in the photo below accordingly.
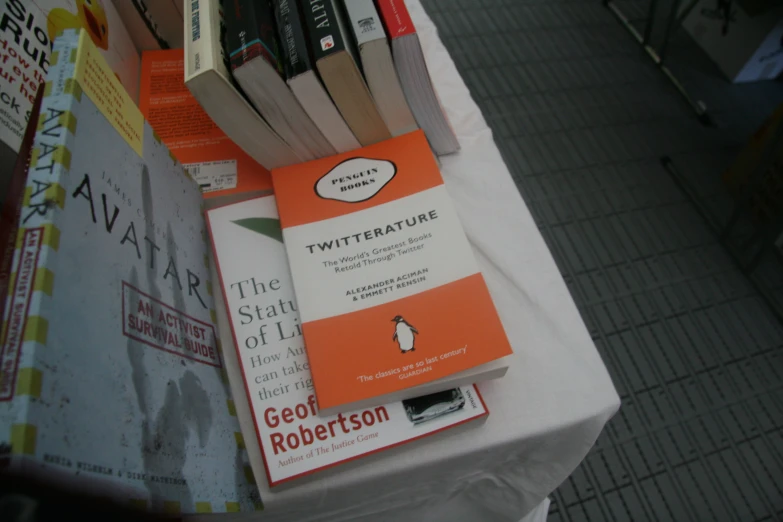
(404, 334)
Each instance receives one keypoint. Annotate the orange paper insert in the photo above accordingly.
(212, 158)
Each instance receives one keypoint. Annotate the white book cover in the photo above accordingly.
(263, 313)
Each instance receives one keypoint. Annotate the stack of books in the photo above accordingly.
(174, 333)
(358, 312)
(291, 83)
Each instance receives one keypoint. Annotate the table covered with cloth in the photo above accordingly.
(545, 414)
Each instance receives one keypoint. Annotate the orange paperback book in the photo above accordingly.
(214, 161)
(392, 301)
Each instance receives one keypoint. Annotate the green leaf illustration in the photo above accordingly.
(265, 226)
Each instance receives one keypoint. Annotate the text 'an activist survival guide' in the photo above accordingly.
(393, 304)
(110, 366)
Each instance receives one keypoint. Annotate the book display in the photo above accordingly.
(223, 260)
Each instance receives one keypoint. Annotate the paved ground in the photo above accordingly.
(582, 119)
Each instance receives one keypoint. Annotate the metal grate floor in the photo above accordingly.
(582, 119)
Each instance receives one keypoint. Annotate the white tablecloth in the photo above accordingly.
(547, 411)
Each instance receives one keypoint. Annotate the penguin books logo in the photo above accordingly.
(355, 180)
(405, 335)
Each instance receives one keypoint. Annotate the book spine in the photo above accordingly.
(9, 217)
(293, 44)
(365, 21)
(323, 27)
(396, 18)
(198, 45)
(32, 273)
(250, 32)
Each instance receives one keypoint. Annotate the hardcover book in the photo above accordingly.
(9, 214)
(270, 373)
(111, 376)
(392, 301)
(27, 29)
